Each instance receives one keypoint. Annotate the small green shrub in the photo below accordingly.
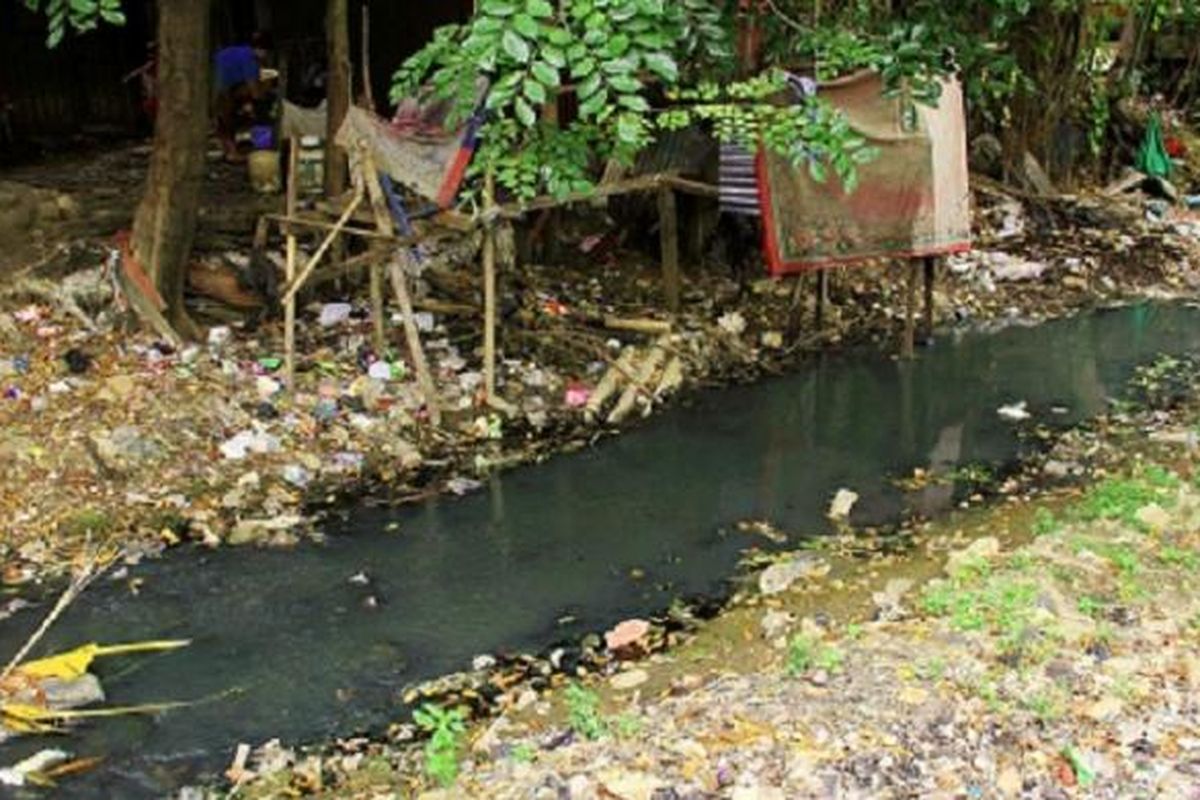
(583, 712)
(446, 729)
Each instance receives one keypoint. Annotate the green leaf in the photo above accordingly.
(617, 46)
(535, 91)
(545, 73)
(629, 129)
(527, 26)
(662, 65)
(625, 83)
(554, 57)
(525, 113)
(516, 47)
(498, 8)
(539, 8)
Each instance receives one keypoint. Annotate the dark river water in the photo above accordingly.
(493, 571)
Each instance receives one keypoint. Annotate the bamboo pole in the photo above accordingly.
(330, 238)
(668, 234)
(908, 345)
(930, 310)
(383, 221)
(489, 290)
(289, 312)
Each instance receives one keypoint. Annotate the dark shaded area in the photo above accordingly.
(55, 97)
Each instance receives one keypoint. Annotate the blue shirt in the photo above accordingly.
(235, 66)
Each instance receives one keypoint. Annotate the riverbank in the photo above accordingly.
(118, 442)
(1047, 645)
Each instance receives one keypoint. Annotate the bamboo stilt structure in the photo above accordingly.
(385, 224)
(295, 286)
(289, 311)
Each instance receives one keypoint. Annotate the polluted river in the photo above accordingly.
(320, 641)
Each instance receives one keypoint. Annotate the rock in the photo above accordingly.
(758, 793)
(118, 388)
(780, 577)
(913, 695)
(629, 637)
(1056, 469)
(987, 155)
(248, 531)
(125, 445)
(843, 503)
(888, 605)
(630, 785)
(1154, 517)
(1105, 709)
(732, 323)
(1009, 782)
(776, 623)
(627, 681)
(1034, 177)
(981, 549)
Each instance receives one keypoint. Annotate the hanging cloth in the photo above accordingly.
(1152, 157)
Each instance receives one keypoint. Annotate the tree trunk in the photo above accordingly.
(165, 224)
(337, 38)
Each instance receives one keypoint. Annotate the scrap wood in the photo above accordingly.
(652, 327)
(141, 294)
(649, 368)
(611, 381)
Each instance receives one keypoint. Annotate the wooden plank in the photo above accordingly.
(668, 214)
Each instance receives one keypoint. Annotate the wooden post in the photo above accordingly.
(368, 87)
(289, 313)
(378, 334)
(930, 311)
(383, 221)
(908, 342)
(669, 238)
(822, 297)
(489, 290)
(337, 82)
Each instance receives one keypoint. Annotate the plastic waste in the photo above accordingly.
(248, 442)
(334, 314)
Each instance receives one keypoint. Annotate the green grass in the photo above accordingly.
(806, 653)
(583, 712)
(1045, 523)
(1177, 557)
(1121, 498)
(446, 728)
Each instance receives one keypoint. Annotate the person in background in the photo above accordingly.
(239, 85)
